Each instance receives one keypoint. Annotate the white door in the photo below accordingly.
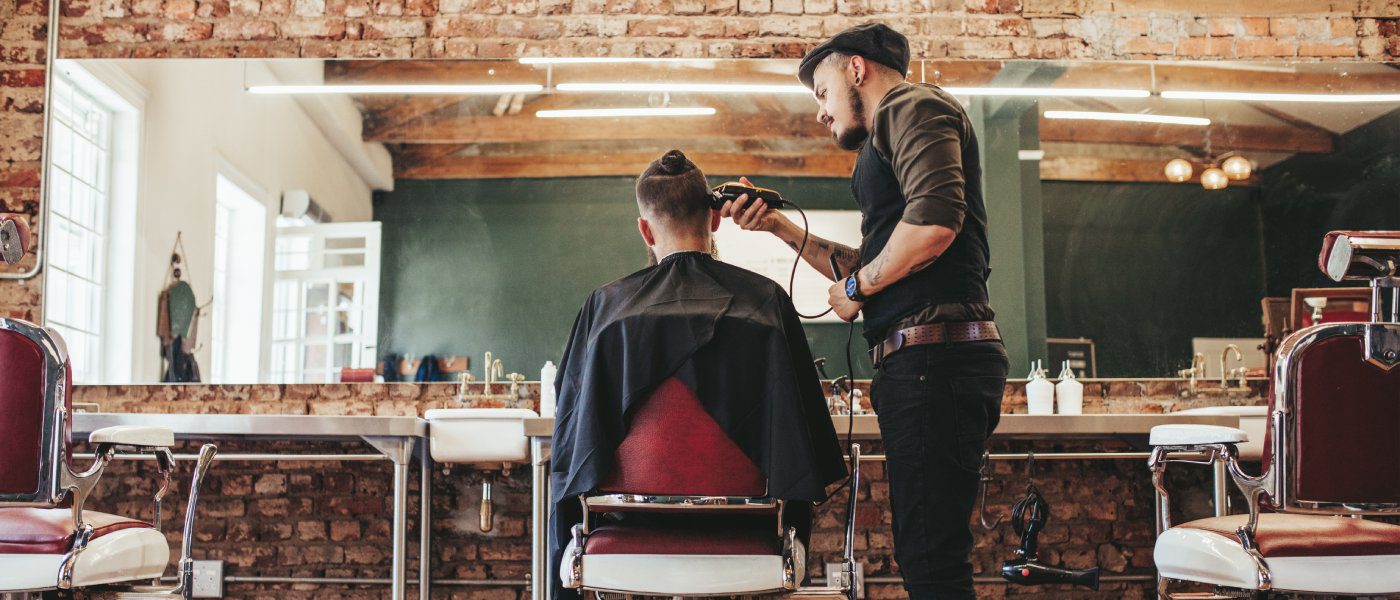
(325, 302)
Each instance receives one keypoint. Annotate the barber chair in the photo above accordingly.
(1330, 458)
(48, 541)
(730, 538)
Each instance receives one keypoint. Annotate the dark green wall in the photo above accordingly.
(1142, 268)
(503, 265)
(1356, 187)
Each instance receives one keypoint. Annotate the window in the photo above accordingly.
(80, 197)
(240, 226)
(325, 301)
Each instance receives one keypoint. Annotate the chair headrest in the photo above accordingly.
(1360, 255)
(14, 237)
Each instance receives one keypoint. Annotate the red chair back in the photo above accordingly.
(34, 379)
(1334, 402)
(1340, 425)
(674, 448)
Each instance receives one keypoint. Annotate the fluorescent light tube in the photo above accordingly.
(1269, 97)
(626, 112)
(1047, 92)
(444, 89)
(1128, 117)
(703, 88)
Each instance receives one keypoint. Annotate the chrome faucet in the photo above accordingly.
(1197, 370)
(493, 370)
(515, 380)
(462, 380)
(1224, 373)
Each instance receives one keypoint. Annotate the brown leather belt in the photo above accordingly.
(934, 333)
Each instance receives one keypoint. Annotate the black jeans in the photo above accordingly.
(937, 405)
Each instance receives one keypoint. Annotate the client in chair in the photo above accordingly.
(698, 334)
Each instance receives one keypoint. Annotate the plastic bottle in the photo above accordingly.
(1040, 393)
(547, 389)
(1069, 393)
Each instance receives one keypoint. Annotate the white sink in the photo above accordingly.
(478, 435)
(1253, 420)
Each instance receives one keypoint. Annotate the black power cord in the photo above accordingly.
(841, 385)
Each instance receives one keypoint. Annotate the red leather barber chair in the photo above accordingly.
(48, 541)
(1332, 457)
(721, 535)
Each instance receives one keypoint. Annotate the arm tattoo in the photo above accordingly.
(846, 257)
(877, 268)
(923, 265)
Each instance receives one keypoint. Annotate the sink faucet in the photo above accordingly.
(493, 370)
(1224, 374)
(1197, 370)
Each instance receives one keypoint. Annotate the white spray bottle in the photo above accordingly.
(1040, 393)
(1069, 392)
(547, 389)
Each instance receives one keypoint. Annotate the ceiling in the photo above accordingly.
(445, 137)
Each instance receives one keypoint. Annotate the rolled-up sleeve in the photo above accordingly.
(924, 145)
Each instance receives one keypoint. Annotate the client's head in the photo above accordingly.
(673, 199)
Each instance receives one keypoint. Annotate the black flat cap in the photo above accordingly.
(874, 41)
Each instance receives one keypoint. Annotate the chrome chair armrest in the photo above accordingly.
(1253, 487)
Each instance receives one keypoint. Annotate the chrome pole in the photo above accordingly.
(425, 525)
(1220, 493)
(539, 520)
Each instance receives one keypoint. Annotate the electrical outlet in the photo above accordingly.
(833, 577)
(208, 579)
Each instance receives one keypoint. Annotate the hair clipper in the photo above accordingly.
(731, 190)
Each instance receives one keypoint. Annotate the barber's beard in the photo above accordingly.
(853, 138)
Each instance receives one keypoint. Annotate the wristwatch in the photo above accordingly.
(853, 288)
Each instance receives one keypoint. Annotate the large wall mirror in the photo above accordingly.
(286, 220)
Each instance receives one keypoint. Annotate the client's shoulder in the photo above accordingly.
(739, 279)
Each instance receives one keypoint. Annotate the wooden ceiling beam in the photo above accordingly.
(630, 164)
(1223, 137)
(526, 127)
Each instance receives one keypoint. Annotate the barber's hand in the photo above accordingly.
(844, 307)
(752, 216)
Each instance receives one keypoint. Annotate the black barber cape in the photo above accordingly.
(733, 337)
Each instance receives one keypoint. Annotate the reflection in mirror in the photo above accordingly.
(348, 215)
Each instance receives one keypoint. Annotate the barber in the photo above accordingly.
(919, 279)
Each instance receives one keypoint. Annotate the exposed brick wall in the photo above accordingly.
(332, 520)
(1101, 396)
(22, 34)
(974, 29)
(317, 519)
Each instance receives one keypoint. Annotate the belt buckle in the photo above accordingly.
(899, 343)
(878, 353)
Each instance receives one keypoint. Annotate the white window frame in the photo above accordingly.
(124, 101)
(250, 305)
(367, 338)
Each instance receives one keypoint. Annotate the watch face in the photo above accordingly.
(851, 287)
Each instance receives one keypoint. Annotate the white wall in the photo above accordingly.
(199, 123)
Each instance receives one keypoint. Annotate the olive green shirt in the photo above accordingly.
(918, 130)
